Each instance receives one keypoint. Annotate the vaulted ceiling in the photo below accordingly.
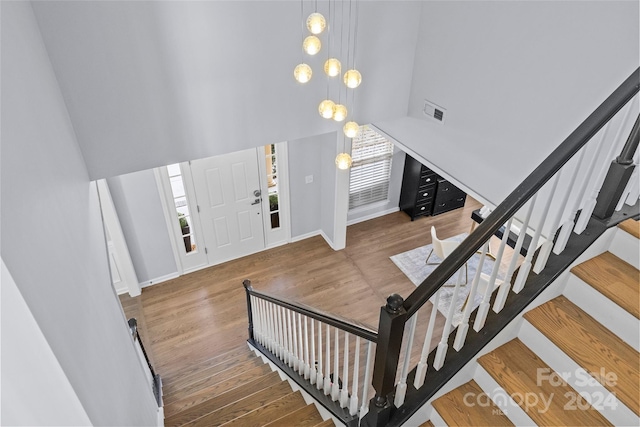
(150, 83)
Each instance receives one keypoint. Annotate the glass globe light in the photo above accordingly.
(302, 73)
(343, 161)
(311, 45)
(351, 129)
(326, 108)
(316, 23)
(352, 79)
(332, 67)
(340, 113)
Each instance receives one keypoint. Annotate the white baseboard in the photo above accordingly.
(159, 279)
(373, 215)
(305, 236)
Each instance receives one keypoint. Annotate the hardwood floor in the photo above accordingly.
(188, 320)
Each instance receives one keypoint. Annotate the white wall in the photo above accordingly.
(328, 151)
(137, 202)
(36, 390)
(304, 160)
(153, 83)
(516, 78)
(52, 236)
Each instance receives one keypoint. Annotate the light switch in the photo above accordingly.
(308, 179)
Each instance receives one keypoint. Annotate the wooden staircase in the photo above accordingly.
(235, 389)
(575, 359)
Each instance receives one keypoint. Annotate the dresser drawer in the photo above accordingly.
(426, 192)
(450, 204)
(424, 208)
(447, 190)
(428, 179)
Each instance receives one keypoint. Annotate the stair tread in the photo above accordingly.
(631, 226)
(170, 378)
(242, 406)
(210, 371)
(274, 410)
(327, 423)
(614, 278)
(426, 424)
(303, 417)
(173, 395)
(455, 412)
(220, 397)
(518, 371)
(592, 346)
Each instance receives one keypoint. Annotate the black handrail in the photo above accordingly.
(157, 381)
(398, 311)
(350, 326)
(529, 187)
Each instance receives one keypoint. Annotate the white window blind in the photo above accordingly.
(371, 169)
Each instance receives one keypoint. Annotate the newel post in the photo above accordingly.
(247, 287)
(390, 331)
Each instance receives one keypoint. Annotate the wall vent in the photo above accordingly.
(434, 111)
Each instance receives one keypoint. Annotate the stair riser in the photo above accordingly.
(626, 247)
(502, 399)
(609, 314)
(576, 376)
(436, 419)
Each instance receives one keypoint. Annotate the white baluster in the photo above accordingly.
(547, 246)
(265, 339)
(353, 402)
(327, 369)
(367, 380)
(281, 338)
(443, 346)
(503, 292)
(582, 220)
(294, 349)
(634, 190)
(526, 265)
(320, 379)
(401, 388)
(421, 369)
(256, 318)
(596, 184)
(307, 368)
(272, 341)
(344, 392)
(300, 348)
(291, 324)
(335, 388)
(463, 327)
(313, 372)
(567, 225)
(483, 309)
(267, 312)
(287, 336)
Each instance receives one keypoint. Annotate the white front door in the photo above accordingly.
(229, 200)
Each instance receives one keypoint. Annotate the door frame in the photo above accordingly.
(174, 232)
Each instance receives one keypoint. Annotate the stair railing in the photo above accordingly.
(544, 206)
(155, 381)
(329, 357)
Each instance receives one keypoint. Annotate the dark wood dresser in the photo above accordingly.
(426, 193)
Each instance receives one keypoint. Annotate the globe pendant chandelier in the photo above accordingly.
(315, 26)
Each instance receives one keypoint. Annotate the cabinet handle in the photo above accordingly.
(428, 180)
(425, 194)
(422, 208)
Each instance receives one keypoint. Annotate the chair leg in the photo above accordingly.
(429, 256)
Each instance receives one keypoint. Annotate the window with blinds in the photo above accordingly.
(371, 169)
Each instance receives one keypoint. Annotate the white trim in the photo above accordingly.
(305, 236)
(120, 250)
(374, 215)
(160, 174)
(329, 241)
(159, 279)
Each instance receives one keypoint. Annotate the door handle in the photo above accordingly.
(256, 202)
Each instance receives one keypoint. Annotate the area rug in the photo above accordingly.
(412, 264)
